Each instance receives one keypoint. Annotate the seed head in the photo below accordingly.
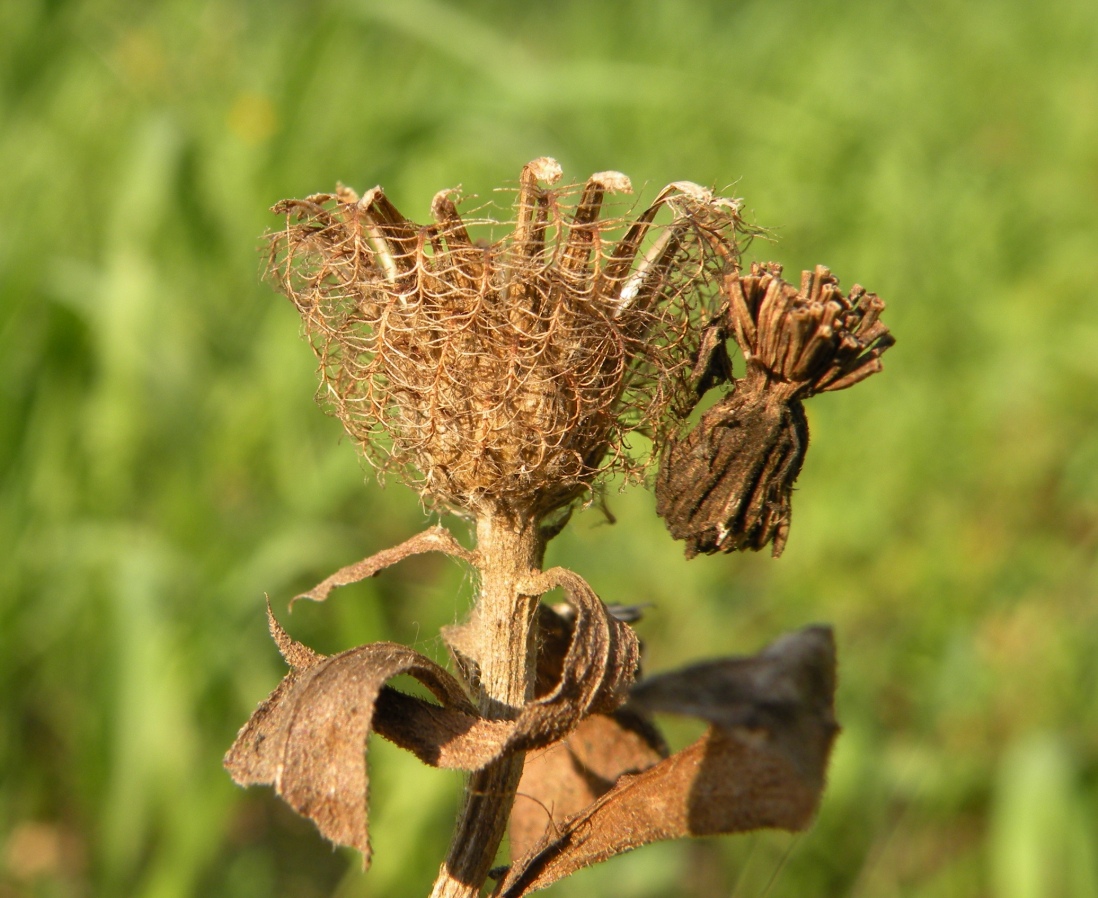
(506, 376)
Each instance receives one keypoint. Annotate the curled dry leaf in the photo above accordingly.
(563, 778)
(728, 484)
(308, 738)
(760, 764)
(602, 659)
(434, 539)
(599, 664)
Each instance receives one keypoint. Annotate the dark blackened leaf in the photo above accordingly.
(787, 691)
(761, 763)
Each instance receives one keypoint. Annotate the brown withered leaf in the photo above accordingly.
(555, 630)
(760, 764)
(308, 738)
(434, 539)
(599, 666)
(566, 777)
(601, 656)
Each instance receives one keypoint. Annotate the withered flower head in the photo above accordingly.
(801, 342)
(728, 484)
(504, 376)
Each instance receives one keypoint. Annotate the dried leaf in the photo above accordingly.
(566, 777)
(787, 690)
(599, 667)
(308, 738)
(434, 539)
(761, 763)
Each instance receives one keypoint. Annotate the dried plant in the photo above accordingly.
(503, 380)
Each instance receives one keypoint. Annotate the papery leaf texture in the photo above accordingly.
(308, 738)
(563, 779)
(760, 764)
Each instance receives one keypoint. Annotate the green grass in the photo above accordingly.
(162, 463)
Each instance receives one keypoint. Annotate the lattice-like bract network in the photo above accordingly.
(507, 375)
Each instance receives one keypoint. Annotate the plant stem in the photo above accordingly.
(501, 641)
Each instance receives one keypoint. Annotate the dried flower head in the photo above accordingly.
(504, 376)
(801, 342)
(728, 484)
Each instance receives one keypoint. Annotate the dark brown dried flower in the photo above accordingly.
(728, 484)
(801, 342)
(504, 377)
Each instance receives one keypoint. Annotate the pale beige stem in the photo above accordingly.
(499, 637)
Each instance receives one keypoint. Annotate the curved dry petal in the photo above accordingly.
(599, 667)
(595, 675)
(787, 690)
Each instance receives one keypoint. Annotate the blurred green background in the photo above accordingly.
(163, 463)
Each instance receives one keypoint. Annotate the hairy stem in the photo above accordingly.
(500, 639)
